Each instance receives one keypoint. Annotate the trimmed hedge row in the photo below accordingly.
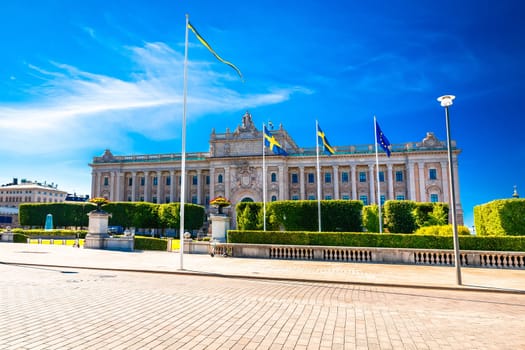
(148, 243)
(352, 239)
(47, 233)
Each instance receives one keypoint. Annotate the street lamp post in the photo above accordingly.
(446, 101)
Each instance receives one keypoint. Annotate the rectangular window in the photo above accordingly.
(383, 198)
(346, 197)
(193, 199)
(311, 178)
(434, 198)
(327, 178)
(364, 199)
(311, 197)
(194, 179)
(168, 180)
(295, 178)
(154, 200)
(106, 181)
(399, 176)
(129, 198)
(295, 197)
(381, 176)
(130, 181)
(167, 199)
(328, 197)
(344, 176)
(142, 180)
(207, 200)
(400, 197)
(207, 179)
(432, 174)
(362, 176)
(155, 181)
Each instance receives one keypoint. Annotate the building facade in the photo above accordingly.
(233, 168)
(16, 193)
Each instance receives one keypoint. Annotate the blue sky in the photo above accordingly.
(79, 77)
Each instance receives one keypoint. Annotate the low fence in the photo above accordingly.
(472, 258)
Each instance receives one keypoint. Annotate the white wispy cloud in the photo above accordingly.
(74, 109)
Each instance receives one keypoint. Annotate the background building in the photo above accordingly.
(16, 193)
(233, 168)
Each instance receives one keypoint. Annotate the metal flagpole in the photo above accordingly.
(183, 150)
(318, 174)
(264, 179)
(377, 178)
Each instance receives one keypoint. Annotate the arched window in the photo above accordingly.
(274, 198)
(219, 179)
(274, 177)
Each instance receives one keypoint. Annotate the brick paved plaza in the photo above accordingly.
(45, 307)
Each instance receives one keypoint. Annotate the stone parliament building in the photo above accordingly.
(232, 168)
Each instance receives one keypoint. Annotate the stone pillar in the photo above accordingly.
(371, 182)
(199, 186)
(390, 181)
(159, 187)
(282, 183)
(97, 230)
(112, 186)
(227, 180)
(353, 170)
(411, 181)
(220, 224)
(133, 186)
(336, 181)
(444, 183)
(421, 175)
(173, 180)
(146, 187)
(301, 182)
(212, 183)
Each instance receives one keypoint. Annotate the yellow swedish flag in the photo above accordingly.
(326, 145)
(203, 42)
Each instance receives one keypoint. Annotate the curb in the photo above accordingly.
(285, 279)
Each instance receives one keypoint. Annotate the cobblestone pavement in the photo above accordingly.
(73, 308)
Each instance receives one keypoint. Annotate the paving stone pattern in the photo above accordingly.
(68, 308)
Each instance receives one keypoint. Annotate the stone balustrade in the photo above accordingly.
(470, 258)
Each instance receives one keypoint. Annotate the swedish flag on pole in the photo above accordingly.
(272, 144)
(322, 137)
(205, 43)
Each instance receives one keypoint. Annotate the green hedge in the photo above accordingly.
(47, 233)
(500, 217)
(147, 243)
(351, 239)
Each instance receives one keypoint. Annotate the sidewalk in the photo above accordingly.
(494, 280)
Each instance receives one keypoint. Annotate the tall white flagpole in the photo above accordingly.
(318, 174)
(377, 178)
(264, 180)
(183, 150)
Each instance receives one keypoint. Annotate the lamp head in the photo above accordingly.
(446, 100)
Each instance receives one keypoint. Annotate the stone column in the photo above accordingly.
(411, 181)
(301, 182)
(371, 181)
(354, 180)
(421, 175)
(172, 186)
(133, 186)
(118, 194)
(94, 184)
(227, 180)
(444, 182)
(335, 169)
(390, 181)
(212, 183)
(112, 186)
(146, 187)
(159, 186)
(281, 182)
(199, 186)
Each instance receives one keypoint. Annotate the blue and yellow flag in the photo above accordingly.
(382, 140)
(203, 42)
(322, 138)
(272, 144)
